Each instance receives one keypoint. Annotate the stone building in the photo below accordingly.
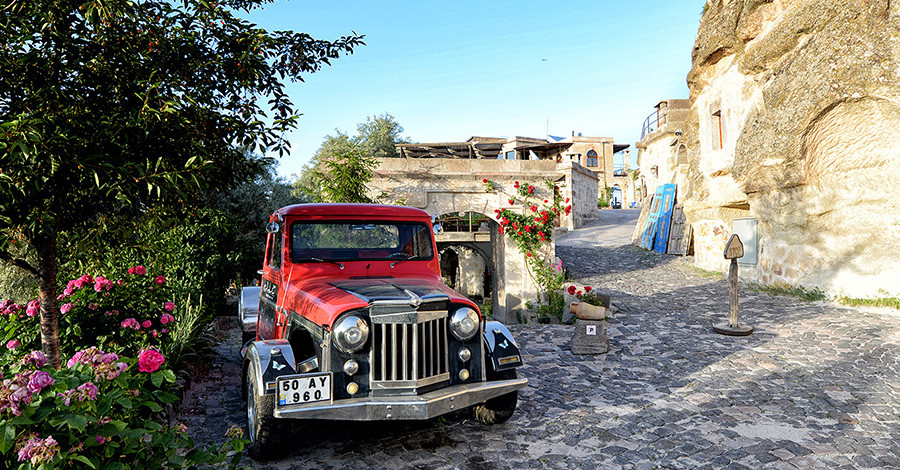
(662, 156)
(794, 126)
(454, 186)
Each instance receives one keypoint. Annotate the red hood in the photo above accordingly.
(322, 300)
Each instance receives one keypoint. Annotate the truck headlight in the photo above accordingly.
(350, 334)
(464, 323)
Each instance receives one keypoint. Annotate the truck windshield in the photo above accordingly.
(360, 241)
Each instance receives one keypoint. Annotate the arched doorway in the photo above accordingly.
(467, 255)
(616, 197)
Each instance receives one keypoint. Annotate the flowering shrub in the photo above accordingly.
(99, 410)
(532, 231)
(121, 315)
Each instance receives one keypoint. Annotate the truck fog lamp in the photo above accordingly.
(351, 367)
(350, 334)
(465, 354)
(352, 388)
(464, 374)
(464, 323)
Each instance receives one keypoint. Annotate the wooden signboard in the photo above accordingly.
(734, 249)
(664, 220)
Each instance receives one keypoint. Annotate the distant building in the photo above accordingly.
(593, 153)
(661, 154)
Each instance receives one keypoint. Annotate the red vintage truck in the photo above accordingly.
(354, 323)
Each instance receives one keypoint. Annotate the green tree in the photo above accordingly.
(110, 106)
(345, 178)
(377, 137)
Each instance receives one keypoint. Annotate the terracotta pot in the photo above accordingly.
(587, 311)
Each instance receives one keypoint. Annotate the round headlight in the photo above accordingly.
(464, 323)
(350, 334)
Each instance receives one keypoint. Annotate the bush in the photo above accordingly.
(102, 410)
(133, 311)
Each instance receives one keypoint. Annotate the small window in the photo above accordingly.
(511, 155)
(717, 130)
(592, 158)
(273, 254)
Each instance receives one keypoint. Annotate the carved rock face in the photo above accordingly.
(795, 121)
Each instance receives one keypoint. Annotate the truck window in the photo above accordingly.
(273, 250)
(360, 241)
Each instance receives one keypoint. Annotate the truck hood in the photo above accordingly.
(323, 300)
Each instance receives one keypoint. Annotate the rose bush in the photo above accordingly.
(532, 231)
(99, 411)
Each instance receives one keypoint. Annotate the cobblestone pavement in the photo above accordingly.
(816, 385)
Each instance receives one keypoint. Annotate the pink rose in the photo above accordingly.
(33, 308)
(139, 270)
(65, 308)
(160, 280)
(167, 318)
(150, 359)
(13, 344)
(147, 324)
(169, 306)
(130, 323)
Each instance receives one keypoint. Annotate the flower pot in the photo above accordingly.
(585, 311)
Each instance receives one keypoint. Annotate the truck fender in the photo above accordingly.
(501, 348)
(273, 357)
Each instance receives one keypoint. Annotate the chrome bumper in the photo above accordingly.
(423, 406)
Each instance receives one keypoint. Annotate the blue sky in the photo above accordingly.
(450, 70)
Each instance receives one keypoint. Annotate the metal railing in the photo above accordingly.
(655, 120)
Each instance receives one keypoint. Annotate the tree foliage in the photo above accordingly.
(108, 106)
(377, 137)
(345, 178)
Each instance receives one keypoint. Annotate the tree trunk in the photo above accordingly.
(47, 267)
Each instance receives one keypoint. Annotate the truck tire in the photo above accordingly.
(267, 434)
(498, 409)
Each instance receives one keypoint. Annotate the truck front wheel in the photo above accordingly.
(498, 409)
(266, 432)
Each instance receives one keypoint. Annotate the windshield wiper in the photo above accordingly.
(319, 260)
(400, 254)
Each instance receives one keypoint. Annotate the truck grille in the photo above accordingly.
(410, 353)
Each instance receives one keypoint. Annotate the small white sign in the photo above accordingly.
(591, 330)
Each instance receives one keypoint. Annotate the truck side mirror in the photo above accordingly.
(273, 227)
(436, 224)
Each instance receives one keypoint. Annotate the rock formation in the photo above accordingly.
(795, 121)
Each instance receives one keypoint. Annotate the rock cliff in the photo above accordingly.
(795, 121)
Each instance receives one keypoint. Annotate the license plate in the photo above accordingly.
(306, 388)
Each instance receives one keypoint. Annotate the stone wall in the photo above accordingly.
(581, 189)
(444, 185)
(795, 121)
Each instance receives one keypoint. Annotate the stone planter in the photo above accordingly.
(591, 337)
(585, 311)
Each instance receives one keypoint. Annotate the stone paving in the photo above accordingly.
(816, 385)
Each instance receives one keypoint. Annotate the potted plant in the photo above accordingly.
(590, 305)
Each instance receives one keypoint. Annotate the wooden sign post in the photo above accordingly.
(734, 249)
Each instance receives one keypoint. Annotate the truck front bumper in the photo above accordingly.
(423, 406)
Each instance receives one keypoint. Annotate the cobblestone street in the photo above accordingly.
(815, 386)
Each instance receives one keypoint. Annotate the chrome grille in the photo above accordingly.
(411, 353)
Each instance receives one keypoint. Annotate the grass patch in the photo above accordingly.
(799, 292)
(892, 302)
(706, 273)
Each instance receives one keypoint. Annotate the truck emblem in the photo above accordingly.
(278, 366)
(504, 344)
